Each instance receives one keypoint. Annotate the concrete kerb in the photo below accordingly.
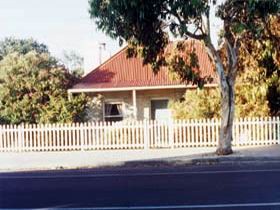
(245, 155)
(251, 155)
(233, 160)
(206, 159)
(198, 161)
(159, 164)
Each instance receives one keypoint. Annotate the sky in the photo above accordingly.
(60, 24)
(63, 25)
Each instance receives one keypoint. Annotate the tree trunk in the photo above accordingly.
(227, 96)
(227, 111)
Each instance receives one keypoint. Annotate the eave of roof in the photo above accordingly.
(88, 90)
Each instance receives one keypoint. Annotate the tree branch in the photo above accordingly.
(195, 36)
(230, 54)
(217, 61)
(232, 57)
(184, 23)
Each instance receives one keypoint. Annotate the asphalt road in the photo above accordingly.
(199, 187)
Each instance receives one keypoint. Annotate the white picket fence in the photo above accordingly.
(135, 135)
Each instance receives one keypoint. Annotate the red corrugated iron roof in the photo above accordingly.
(120, 72)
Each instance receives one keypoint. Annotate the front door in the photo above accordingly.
(159, 109)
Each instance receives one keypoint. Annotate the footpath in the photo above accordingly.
(27, 161)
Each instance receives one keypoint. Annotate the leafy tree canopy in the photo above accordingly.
(251, 99)
(260, 60)
(258, 82)
(149, 24)
(21, 46)
(35, 90)
(197, 104)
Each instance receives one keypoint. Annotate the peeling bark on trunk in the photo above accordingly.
(227, 107)
(227, 101)
(227, 81)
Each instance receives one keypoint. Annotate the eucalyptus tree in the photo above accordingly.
(35, 91)
(11, 45)
(149, 25)
(21, 46)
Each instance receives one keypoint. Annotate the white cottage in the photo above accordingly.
(132, 91)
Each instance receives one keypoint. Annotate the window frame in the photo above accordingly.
(105, 118)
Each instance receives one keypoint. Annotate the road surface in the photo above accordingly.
(196, 187)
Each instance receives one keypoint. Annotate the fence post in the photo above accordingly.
(81, 128)
(1, 139)
(20, 138)
(171, 133)
(146, 135)
(278, 129)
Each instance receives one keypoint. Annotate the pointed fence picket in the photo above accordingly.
(135, 135)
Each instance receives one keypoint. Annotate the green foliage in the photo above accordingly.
(274, 93)
(150, 25)
(182, 62)
(144, 24)
(260, 59)
(197, 104)
(251, 98)
(35, 90)
(63, 110)
(21, 46)
(250, 16)
(206, 104)
(251, 95)
(257, 90)
(238, 28)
